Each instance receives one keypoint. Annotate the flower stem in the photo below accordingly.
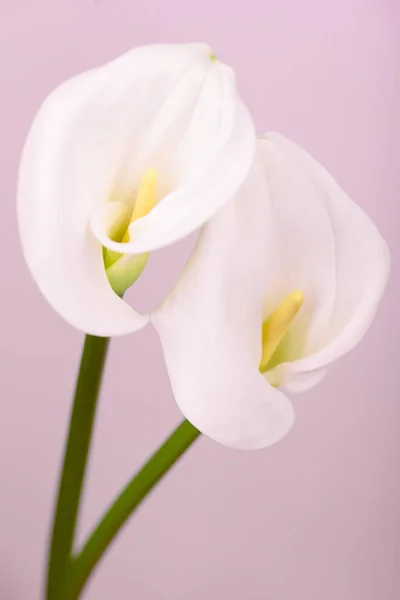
(75, 460)
(124, 505)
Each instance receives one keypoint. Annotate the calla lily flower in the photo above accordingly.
(284, 280)
(120, 161)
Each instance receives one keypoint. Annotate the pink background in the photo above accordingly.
(314, 517)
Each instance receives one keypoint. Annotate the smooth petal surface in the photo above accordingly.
(53, 208)
(202, 162)
(304, 249)
(210, 328)
(290, 228)
(361, 267)
(91, 142)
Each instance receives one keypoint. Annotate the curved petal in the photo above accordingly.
(286, 377)
(362, 265)
(64, 258)
(210, 328)
(89, 144)
(305, 251)
(207, 165)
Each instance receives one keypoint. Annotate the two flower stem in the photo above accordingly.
(75, 460)
(68, 572)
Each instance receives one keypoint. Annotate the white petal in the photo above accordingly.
(210, 328)
(64, 258)
(209, 162)
(304, 256)
(93, 138)
(286, 377)
(362, 264)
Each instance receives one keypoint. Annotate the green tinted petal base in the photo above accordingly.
(125, 271)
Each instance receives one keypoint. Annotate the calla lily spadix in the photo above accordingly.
(120, 161)
(284, 280)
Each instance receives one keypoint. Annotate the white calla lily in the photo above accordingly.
(161, 122)
(284, 280)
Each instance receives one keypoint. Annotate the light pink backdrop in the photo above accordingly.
(314, 517)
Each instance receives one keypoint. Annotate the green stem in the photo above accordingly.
(75, 459)
(119, 512)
